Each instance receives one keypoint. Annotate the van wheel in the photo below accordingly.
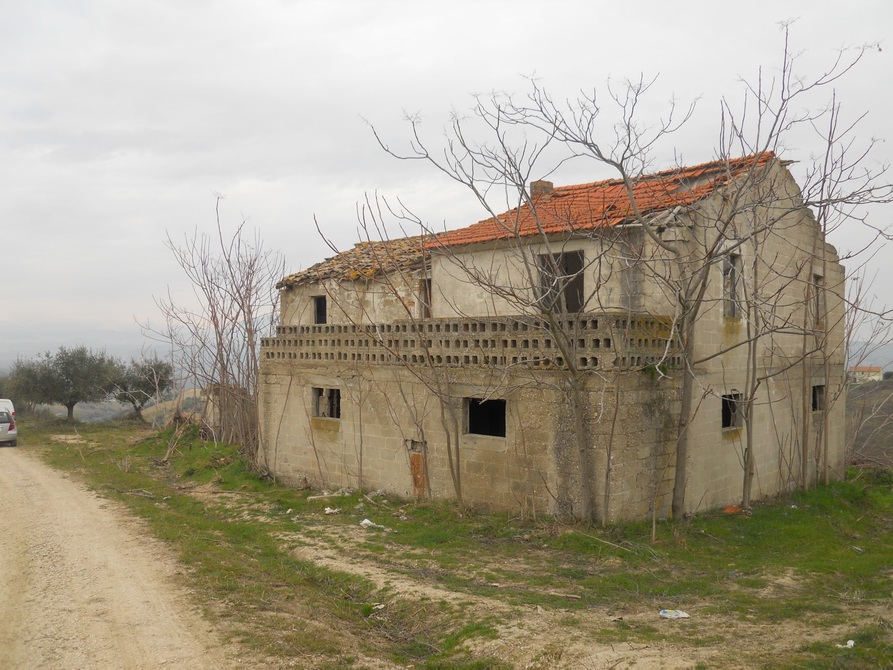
(13, 443)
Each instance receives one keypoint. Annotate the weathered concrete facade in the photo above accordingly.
(390, 411)
(470, 365)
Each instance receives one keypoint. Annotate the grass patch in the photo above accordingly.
(873, 648)
(809, 559)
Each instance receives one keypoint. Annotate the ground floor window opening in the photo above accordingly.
(327, 403)
(485, 417)
(732, 415)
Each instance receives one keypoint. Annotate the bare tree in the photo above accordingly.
(395, 271)
(215, 338)
(546, 295)
(839, 180)
(664, 253)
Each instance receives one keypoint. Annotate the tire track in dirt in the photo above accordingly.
(80, 587)
(530, 637)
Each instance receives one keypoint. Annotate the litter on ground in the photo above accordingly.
(674, 614)
(365, 523)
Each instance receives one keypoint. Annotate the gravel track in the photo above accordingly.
(81, 587)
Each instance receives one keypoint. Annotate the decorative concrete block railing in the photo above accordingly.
(604, 341)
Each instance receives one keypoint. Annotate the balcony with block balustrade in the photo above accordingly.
(607, 341)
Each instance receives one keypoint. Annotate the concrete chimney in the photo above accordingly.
(540, 188)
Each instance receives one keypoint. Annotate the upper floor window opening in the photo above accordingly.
(561, 281)
(818, 397)
(818, 301)
(425, 298)
(731, 286)
(319, 309)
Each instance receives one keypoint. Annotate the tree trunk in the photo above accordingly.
(753, 331)
(587, 509)
(70, 408)
(749, 464)
(680, 478)
(606, 505)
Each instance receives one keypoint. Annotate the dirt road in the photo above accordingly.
(80, 587)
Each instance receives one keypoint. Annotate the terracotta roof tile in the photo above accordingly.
(580, 207)
(603, 204)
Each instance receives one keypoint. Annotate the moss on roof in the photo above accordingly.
(365, 261)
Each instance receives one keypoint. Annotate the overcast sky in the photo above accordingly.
(121, 120)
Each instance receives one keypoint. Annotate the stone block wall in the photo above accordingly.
(390, 433)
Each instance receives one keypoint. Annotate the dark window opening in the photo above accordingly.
(425, 299)
(319, 309)
(731, 279)
(818, 397)
(818, 303)
(573, 290)
(485, 417)
(327, 403)
(561, 282)
(732, 411)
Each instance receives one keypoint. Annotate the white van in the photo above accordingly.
(8, 431)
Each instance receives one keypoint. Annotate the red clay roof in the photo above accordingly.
(601, 204)
(604, 204)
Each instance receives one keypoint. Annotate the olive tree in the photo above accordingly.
(68, 377)
(141, 381)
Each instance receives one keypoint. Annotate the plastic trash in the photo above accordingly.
(332, 510)
(849, 645)
(365, 523)
(674, 614)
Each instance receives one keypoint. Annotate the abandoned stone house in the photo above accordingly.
(534, 361)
